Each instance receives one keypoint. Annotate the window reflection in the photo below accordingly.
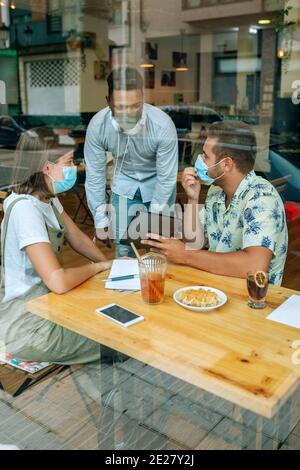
(202, 61)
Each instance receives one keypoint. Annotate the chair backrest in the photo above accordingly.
(281, 183)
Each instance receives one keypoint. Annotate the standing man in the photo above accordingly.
(143, 141)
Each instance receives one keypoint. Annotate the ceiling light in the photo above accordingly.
(147, 65)
(264, 22)
(182, 66)
(182, 69)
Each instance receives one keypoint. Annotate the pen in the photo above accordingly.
(121, 278)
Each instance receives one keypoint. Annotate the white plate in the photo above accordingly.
(221, 294)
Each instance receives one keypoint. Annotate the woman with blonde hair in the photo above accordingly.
(32, 234)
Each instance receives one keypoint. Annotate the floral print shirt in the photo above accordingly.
(255, 217)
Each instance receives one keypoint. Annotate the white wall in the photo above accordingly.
(247, 48)
(47, 100)
(206, 67)
(93, 92)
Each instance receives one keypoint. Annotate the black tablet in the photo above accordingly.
(151, 222)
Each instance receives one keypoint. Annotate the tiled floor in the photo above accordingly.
(67, 413)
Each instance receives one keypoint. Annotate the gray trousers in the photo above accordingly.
(32, 338)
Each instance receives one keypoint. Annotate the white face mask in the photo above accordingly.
(128, 126)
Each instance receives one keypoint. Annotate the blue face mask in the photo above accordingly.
(202, 171)
(70, 178)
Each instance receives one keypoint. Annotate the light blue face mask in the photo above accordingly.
(70, 178)
(202, 171)
(130, 124)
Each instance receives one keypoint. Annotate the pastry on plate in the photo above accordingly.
(199, 298)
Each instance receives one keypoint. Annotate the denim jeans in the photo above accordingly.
(124, 212)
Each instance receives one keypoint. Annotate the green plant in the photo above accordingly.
(280, 19)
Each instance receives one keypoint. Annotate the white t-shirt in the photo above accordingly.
(26, 226)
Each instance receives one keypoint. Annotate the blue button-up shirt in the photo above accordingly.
(147, 161)
(255, 217)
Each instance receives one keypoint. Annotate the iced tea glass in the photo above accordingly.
(153, 269)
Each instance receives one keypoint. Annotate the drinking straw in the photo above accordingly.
(137, 254)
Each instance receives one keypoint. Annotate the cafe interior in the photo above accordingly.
(175, 371)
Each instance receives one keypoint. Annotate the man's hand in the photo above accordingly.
(191, 184)
(173, 249)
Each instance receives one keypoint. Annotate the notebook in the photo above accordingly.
(288, 313)
(124, 267)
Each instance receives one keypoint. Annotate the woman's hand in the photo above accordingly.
(103, 266)
(191, 184)
(58, 279)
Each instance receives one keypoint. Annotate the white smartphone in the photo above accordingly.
(120, 315)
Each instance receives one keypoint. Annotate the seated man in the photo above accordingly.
(243, 223)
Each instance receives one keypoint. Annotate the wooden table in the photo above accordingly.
(234, 352)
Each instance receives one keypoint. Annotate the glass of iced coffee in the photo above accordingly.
(257, 284)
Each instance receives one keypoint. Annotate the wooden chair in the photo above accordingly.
(281, 183)
(79, 190)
